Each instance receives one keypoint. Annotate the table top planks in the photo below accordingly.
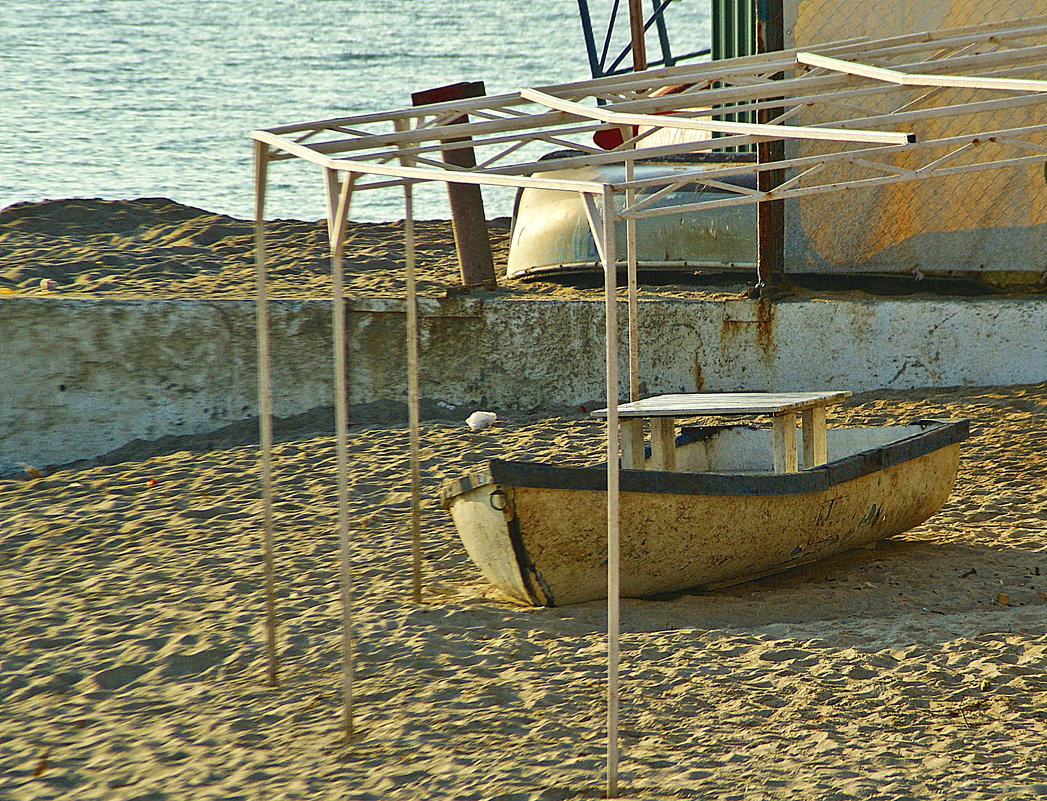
(726, 403)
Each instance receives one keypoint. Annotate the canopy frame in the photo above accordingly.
(841, 75)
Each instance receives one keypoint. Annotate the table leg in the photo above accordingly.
(814, 449)
(785, 460)
(663, 444)
(632, 442)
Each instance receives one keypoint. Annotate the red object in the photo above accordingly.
(608, 138)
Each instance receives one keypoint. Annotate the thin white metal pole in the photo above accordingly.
(338, 195)
(915, 79)
(412, 395)
(412, 377)
(634, 327)
(265, 405)
(611, 334)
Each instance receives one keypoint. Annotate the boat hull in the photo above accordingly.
(551, 234)
(546, 545)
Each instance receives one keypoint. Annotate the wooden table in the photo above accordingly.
(662, 411)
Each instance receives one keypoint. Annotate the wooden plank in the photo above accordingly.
(483, 178)
(413, 410)
(636, 38)
(910, 79)
(814, 449)
(339, 194)
(718, 126)
(725, 403)
(592, 214)
(413, 395)
(663, 444)
(632, 443)
(468, 220)
(784, 437)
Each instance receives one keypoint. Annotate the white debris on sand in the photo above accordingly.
(478, 421)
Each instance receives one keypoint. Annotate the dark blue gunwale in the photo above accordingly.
(939, 434)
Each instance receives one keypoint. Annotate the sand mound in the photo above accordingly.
(153, 247)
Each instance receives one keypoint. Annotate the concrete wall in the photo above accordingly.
(81, 378)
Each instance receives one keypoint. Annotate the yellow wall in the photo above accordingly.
(991, 220)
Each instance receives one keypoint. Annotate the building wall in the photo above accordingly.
(989, 222)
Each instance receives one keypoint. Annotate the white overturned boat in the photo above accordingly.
(551, 234)
(538, 531)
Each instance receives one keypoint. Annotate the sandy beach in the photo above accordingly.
(132, 660)
(154, 247)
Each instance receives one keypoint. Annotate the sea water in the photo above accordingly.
(121, 99)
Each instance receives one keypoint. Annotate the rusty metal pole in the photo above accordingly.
(636, 32)
(475, 262)
(770, 214)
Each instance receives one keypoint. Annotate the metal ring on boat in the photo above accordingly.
(499, 493)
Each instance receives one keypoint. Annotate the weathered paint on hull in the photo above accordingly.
(548, 546)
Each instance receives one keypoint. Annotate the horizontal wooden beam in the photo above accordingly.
(718, 126)
(911, 79)
(478, 177)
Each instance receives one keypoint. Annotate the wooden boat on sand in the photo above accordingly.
(723, 516)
